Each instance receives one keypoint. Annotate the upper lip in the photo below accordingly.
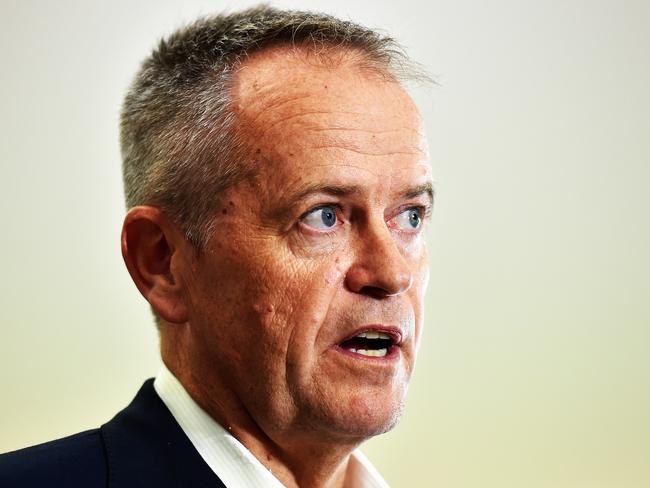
(393, 332)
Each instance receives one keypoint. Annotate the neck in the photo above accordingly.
(295, 457)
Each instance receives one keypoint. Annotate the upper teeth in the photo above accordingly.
(374, 335)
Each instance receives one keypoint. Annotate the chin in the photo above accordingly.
(378, 417)
(358, 417)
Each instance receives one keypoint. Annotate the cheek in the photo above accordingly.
(420, 260)
(334, 271)
(288, 303)
(413, 247)
(313, 298)
(420, 284)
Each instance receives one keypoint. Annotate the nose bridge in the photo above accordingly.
(379, 266)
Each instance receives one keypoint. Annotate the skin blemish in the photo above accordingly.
(333, 274)
(224, 211)
(265, 311)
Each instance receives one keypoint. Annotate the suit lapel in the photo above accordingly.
(145, 447)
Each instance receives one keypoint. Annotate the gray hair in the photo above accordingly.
(180, 151)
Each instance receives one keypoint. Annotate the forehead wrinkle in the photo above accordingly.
(344, 138)
(274, 104)
(357, 150)
(351, 171)
(272, 98)
(280, 120)
(359, 129)
(350, 181)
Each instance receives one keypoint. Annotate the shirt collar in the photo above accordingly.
(227, 457)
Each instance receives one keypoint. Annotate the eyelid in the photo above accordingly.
(424, 208)
(338, 208)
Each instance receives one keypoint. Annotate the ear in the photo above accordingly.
(153, 249)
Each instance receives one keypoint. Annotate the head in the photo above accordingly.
(278, 183)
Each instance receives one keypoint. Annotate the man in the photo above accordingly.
(277, 181)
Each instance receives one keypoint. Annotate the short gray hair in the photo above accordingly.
(180, 151)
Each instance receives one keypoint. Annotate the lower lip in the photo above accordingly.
(392, 355)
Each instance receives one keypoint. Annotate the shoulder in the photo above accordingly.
(74, 461)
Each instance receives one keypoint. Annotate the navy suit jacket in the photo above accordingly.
(142, 446)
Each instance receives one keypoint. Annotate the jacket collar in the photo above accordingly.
(146, 447)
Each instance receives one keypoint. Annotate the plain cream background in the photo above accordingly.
(535, 366)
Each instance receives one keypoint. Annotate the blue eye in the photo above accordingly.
(321, 218)
(410, 219)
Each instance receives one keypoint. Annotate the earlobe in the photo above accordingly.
(150, 243)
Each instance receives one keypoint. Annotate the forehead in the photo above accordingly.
(301, 114)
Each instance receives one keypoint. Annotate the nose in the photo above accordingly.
(379, 268)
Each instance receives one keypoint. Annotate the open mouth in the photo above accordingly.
(371, 343)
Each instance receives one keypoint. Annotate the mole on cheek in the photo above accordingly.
(265, 311)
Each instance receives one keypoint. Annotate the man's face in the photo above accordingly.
(323, 245)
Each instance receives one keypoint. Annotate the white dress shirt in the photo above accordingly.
(226, 456)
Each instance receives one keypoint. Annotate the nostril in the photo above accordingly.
(377, 288)
(374, 292)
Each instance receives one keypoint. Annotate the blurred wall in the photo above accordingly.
(535, 366)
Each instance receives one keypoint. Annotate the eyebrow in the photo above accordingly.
(346, 190)
(327, 189)
(423, 189)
